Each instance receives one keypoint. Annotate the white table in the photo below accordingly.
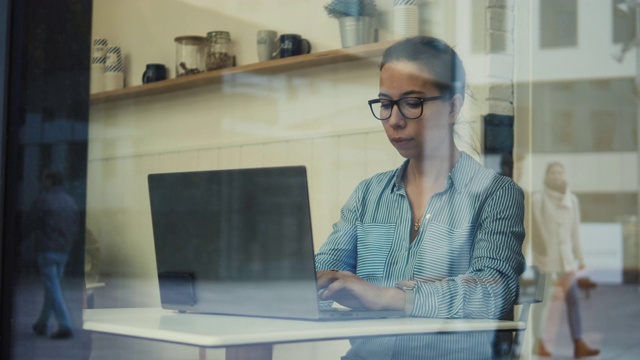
(254, 337)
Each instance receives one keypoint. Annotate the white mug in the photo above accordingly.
(267, 44)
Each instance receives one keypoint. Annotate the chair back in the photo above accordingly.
(532, 285)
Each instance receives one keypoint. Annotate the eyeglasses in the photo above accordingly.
(409, 107)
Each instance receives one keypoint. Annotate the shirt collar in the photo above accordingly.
(398, 185)
(463, 171)
(459, 176)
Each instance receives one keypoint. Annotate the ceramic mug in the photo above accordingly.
(153, 73)
(267, 44)
(293, 44)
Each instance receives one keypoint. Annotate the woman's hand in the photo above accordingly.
(351, 291)
(566, 280)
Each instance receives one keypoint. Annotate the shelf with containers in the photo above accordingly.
(267, 67)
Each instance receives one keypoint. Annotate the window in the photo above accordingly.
(558, 23)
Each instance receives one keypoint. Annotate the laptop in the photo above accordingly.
(239, 242)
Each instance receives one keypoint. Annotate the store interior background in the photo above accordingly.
(574, 103)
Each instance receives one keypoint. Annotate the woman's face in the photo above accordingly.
(432, 133)
(555, 176)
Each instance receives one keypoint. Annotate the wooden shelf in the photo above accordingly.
(266, 67)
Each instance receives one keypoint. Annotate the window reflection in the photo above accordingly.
(584, 116)
(558, 23)
(574, 104)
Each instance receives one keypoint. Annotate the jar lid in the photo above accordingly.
(190, 39)
(219, 34)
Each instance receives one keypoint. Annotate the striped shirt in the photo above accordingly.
(465, 260)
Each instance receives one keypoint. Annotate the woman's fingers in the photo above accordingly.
(326, 277)
(346, 289)
(331, 281)
(342, 292)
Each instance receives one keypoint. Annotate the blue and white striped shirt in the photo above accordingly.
(465, 260)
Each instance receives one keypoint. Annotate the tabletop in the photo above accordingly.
(207, 330)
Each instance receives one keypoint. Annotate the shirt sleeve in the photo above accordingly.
(339, 252)
(490, 287)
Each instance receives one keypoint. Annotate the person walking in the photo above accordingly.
(557, 253)
(53, 220)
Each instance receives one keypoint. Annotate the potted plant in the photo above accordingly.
(344, 8)
(355, 18)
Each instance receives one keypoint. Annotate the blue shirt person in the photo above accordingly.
(443, 227)
(53, 221)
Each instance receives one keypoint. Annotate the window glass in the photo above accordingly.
(624, 21)
(584, 116)
(558, 23)
(102, 94)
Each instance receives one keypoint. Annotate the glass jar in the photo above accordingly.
(219, 50)
(190, 54)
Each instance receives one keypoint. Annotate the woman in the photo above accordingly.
(440, 236)
(556, 250)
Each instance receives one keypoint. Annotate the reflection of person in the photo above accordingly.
(556, 249)
(440, 236)
(53, 220)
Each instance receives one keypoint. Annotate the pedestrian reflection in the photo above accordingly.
(53, 221)
(557, 252)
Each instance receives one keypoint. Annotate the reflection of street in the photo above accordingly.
(27, 303)
(612, 310)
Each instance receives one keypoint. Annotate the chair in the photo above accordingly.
(531, 292)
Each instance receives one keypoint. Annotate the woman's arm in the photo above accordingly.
(336, 263)
(339, 252)
(490, 287)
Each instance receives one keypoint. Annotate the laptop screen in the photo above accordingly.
(221, 229)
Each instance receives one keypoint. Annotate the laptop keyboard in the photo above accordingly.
(329, 305)
(324, 305)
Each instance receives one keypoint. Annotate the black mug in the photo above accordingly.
(154, 72)
(293, 44)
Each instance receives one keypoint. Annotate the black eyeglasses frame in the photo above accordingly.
(397, 102)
